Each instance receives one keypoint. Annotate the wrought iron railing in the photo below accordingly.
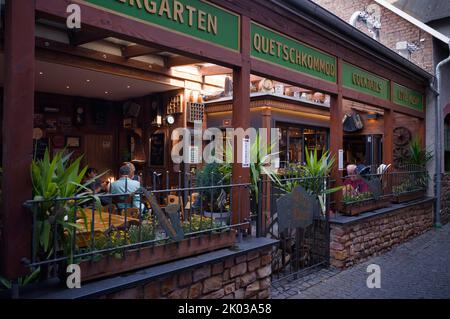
(378, 186)
(80, 228)
(299, 221)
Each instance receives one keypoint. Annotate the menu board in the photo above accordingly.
(157, 149)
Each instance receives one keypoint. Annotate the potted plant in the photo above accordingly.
(312, 177)
(52, 180)
(215, 201)
(412, 178)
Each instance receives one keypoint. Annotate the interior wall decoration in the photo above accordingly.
(39, 120)
(402, 138)
(175, 104)
(73, 141)
(51, 125)
(80, 116)
(39, 147)
(157, 149)
(196, 112)
(65, 123)
(100, 112)
(352, 122)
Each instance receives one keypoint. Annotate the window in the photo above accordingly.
(447, 142)
(295, 139)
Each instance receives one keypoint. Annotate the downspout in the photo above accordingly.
(438, 155)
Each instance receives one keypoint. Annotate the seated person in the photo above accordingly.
(126, 185)
(95, 185)
(133, 175)
(353, 183)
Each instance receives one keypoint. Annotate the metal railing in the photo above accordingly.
(75, 229)
(374, 186)
(301, 248)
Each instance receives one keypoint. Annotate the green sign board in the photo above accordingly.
(275, 48)
(407, 97)
(194, 18)
(362, 81)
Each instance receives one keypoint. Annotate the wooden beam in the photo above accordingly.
(105, 59)
(337, 135)
(136, 50)
(388, 134)
(388, 137)
(181, 60)
(105, 67)
(241, 119)
(267, 70)
(83, 37)
(215, 70)
(379, 103)
(141, 33)
(18, 111)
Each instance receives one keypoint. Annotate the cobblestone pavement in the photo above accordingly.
(417, 269)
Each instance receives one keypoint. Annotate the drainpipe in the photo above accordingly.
(438, 141)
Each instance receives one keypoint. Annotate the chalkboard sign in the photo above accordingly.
(157, 149)
(39, 147)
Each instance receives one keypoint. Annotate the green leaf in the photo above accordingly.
(6, 283)
(45, 235)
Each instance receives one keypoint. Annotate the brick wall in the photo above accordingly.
(393, 29)
(355, 242)
(244, 277)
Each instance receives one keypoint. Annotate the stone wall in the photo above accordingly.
(243, 277)
(354, 242)
(445, 199)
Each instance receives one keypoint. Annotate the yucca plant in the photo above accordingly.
(54, 179)
(260, 164)
(312, 176)
(418, 155)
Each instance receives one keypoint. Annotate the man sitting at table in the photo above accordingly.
(125, 185)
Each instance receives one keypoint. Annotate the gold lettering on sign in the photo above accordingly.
(365, 82)
(263, 44)
(176, 11)
(408, 98)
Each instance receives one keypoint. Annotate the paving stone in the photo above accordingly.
(416, 269)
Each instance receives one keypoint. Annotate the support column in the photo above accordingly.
(266, 121)
(241, 119)
(18, 113)
(388, 137)
(337, 135)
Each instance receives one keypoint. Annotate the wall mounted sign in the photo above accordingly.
(194, 18)
(273, 47)
(246, 153)
(296, 209)
(406, 97)
(362, 81)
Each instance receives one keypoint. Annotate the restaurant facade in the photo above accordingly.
(115, 88)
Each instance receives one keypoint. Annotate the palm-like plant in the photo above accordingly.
(55, 179)
(312, 176)
(260, 164)
(418, 155)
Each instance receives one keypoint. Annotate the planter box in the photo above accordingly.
(158, 254)
(354, 209)
(407, 197)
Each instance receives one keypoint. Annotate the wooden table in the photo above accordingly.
(102, 222)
